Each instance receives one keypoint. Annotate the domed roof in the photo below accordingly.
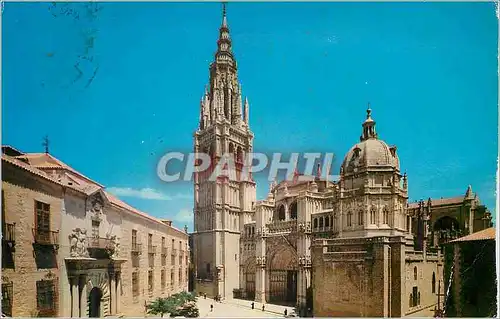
(370, 152)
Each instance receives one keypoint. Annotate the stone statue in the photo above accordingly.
(78, 243)
(114, 246)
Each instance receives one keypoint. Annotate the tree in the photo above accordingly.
(180, 304)
(161, 306)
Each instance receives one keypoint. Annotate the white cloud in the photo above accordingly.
(184, 215)
(145, 193)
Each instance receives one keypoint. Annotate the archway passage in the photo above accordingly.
(95, 302)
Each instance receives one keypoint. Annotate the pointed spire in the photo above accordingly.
(46, 144)
(224, 52)
(318, 171)
(368, 126)
(224, 18)
(246, 107)
(468, 193)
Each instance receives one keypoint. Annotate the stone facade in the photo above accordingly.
(341, 248)
(103, 257)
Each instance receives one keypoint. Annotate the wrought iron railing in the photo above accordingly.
(100, 243)
(136, 247)
(152, 249)
(45, 236)
(9, 232)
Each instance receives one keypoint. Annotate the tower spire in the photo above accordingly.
(224, 51)
(368, 126)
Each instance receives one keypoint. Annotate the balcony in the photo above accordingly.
(46, 237)
(152, 250)
(9, 234)
(100, 247)
(136, 248)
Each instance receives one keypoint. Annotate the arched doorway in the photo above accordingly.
(283, 276)
(95, 298)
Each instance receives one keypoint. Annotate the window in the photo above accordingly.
(373, 216)
(150, 281)
(327, 221)
(45, 295)
(415, 273)
(293, 211)
(135, 284)
(415, 295)
(315, 223)
(386, 215)
(42, 220)
(134, 240)
(7, 291)
(172, 278)
(95, 229)
(163, 280)
(360, 218)
(281, 213)
(180, 277)
(349, 219)
(208, 268)
(433, 283)
(320, 222)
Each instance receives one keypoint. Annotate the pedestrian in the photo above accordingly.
(262, 307)
(205, 295)
(211, 308)
(286, 312)
(253, 305)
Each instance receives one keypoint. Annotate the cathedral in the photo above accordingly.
(349, 247)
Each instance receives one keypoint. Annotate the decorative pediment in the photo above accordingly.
(96, 204)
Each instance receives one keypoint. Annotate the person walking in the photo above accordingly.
(286, 312)
(211, 307)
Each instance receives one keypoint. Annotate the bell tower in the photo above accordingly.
(222, 204)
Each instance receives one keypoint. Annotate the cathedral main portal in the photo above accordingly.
(283, 287)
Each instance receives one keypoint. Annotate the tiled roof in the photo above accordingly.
(440, 202)
(33, 170)
(485, 234)
(47, 161)
(116, 201)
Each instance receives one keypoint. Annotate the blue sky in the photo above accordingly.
(429, 71)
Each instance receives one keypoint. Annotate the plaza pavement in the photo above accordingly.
(237, 308)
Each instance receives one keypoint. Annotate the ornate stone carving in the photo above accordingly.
(78, 243)
(219, 270)
(305, 261)
(96, 208)
(114, 247)
(261, 261)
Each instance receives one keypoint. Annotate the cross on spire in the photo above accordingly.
(45, 144)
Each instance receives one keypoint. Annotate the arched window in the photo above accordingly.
(321, 222)
(415, 273)
(315, 223)
(373, 216)
(293, 210)
(386, 215)
(327, 221)
(281, 213)
(360, 218)
(433, 283)
(349, 219)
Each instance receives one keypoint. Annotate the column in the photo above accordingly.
(83, 297)
(118, 293)
(260, 282)
(112, 293)
(75, 298)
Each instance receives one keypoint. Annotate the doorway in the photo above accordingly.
(95, 302)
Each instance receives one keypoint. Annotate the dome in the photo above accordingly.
(370, 152)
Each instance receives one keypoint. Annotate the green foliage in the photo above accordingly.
(182, 304)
